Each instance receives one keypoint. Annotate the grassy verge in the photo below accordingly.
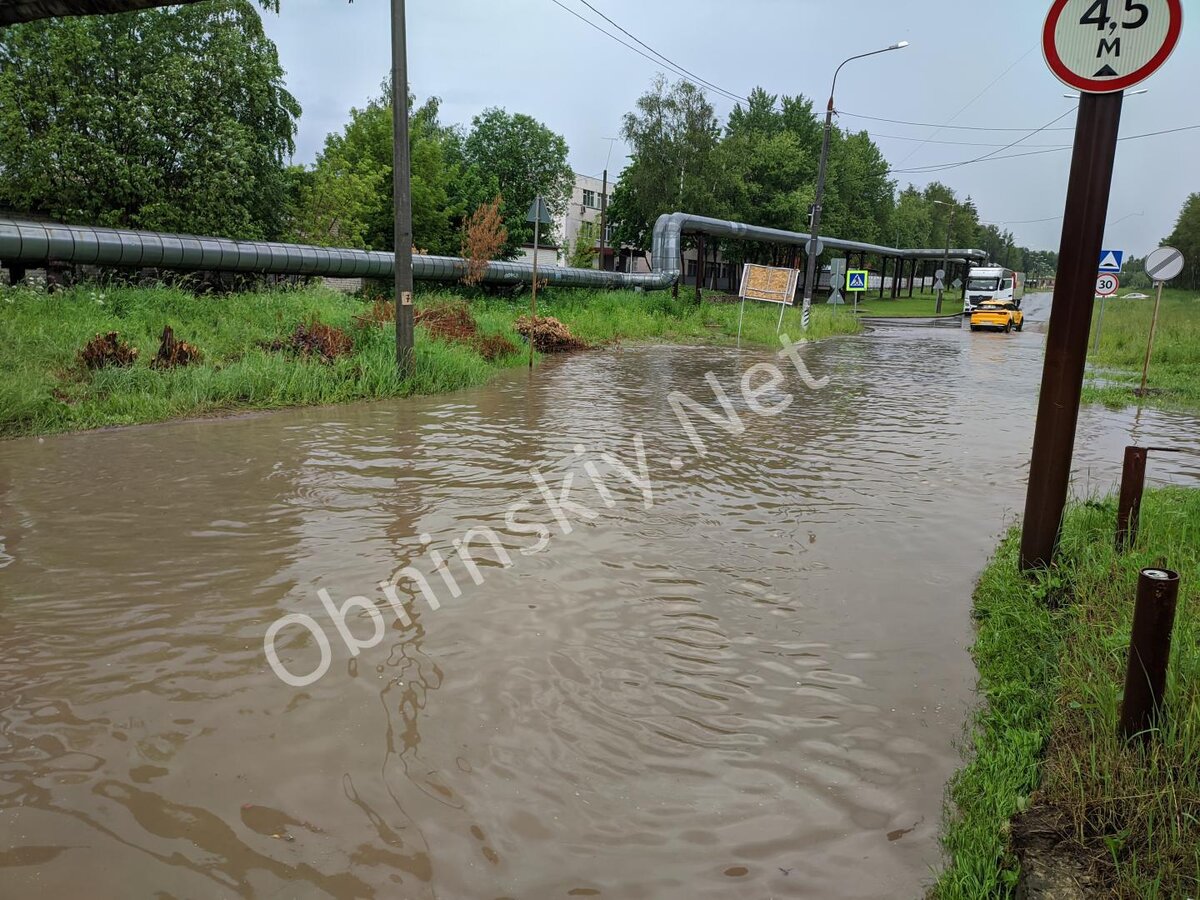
(1175, 367)
(44, 387)
(908, 307)
(1046, 759)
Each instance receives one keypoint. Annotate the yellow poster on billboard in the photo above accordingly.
(769, 284)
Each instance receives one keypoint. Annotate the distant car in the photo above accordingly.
(999, 316)
(1136, 297)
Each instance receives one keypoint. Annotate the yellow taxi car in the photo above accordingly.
(1000, 315)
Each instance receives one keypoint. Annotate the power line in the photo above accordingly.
(933, 125)
(901, 137)
(990, 158)
(668, 61)
(674, 69)
(970, 102)
(987, 156)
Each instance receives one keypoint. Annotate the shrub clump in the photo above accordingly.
(381, 313)
(173, 353)
(450, 321)
(108, 351)
(549, 335)
(314, 337)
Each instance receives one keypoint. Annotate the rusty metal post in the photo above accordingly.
(700, 251)
(883, 261)
(912, 277)
(1149, 652)
(1070, 326)
(1129, 506)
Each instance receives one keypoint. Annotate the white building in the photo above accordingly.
(584, 206)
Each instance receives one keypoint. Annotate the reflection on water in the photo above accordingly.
(754, 687)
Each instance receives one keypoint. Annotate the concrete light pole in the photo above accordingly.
(946, 255)
(402, 194)
(810, 272)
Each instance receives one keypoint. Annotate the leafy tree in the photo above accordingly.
(527, 159)
(174, 119)
(443, 190)
(674, 136)
(334, 202)
(1186, 239)
(583, 254)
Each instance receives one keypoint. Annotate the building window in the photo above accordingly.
(589, 199)
(691, 268)
(610, 232)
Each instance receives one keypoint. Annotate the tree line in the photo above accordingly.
(179, 119)
(761, 168)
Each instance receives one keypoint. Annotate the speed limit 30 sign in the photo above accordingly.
(1107, 285)
(1105, 46)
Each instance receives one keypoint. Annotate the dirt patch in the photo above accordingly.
(1053, 864)
(173, 353)
(108, 351)
(549, 335)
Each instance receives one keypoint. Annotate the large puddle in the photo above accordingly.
(751, 684)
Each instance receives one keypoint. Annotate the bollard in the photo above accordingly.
(1129, 506)
(1149, 652)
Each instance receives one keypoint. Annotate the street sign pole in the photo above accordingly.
(1100, 49)
(1150, 342)
(1070, 325)
(537, 233)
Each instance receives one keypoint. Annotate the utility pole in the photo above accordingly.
(814, 227)
(402, 193)
(604, 223)
(946, 255)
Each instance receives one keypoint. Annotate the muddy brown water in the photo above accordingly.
(756, 687)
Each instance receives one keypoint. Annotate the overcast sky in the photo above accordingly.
(970, 63)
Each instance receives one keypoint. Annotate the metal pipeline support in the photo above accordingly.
(670, 228)
(35, 242)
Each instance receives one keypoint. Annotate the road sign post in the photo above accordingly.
(1111, 262)
(1100, 55)
(1163, 265)
(538, 215)
(1106, 286)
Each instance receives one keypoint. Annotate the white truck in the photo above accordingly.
(993, 283)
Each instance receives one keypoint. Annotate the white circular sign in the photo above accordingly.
(1164, 264)
(1105, 46)
(814, 247)
(1107, 285)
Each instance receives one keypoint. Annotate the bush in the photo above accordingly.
(108, 350)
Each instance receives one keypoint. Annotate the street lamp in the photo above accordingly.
(810, 275)
(946, 257)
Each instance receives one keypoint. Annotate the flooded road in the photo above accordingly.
(751, 685)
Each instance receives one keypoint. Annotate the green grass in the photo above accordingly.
(1044, 738)
(44, 388)
(1175, 366)
(918, 305)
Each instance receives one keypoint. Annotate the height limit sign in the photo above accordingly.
(1100, 48)
(1104, 46)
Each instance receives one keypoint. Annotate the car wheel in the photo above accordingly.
(1008, 326)
(974, 327)
(1021, 326)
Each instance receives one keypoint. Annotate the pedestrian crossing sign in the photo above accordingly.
(856, 280)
